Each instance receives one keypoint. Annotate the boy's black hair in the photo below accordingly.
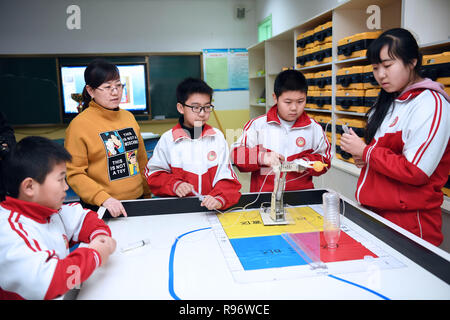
(32, 157)
(192, 85)
(290, 80)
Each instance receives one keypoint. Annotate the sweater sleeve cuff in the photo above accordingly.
(100, 198)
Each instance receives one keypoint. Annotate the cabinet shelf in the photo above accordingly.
(317, 110)
(348, 18)
(350, 61)
(316, 67)
(257, 77)
(258, 105)
(348, 113)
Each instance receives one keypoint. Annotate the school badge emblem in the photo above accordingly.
(300, 141)
(212, 155)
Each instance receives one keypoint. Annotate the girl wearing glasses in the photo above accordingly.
(99, 140)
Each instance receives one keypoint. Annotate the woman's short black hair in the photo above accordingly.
(190, 86)
(290, 80)
(32, 157)
(97, 72)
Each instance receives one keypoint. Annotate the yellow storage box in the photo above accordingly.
(437, 67)
(319, 100)
(368, 78)
(305, 38)
(322, 80)
(351, 101)
(358, 125)
(320, 54)
(350, 78)
(356, 45)
(323, 33)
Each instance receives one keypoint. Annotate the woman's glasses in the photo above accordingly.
(111, 89)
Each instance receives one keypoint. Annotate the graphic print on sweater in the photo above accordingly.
(121, 150)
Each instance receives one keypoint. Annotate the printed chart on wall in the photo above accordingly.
(256, 252)
(226, 69)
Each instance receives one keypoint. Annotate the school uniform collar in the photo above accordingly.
(31, 210)
(302, 121)
(417, 88)
(410, 94)
(179, 133)
(105, 113)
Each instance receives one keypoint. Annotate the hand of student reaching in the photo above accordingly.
(184, 189)
(270, 159)
(114, 207)
(104, 245)
(352, 143)
(211, 203)
(359, 162)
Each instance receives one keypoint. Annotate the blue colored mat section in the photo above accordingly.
(265, 252)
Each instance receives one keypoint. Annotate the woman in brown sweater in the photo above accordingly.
(108, 153)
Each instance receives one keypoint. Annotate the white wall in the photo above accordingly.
(427, 19)
(287, 14)
(110, 26)
(115, 26)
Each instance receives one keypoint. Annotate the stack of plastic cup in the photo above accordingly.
(331, 219)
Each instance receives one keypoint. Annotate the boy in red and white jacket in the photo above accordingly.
(193, 157)
(285, 133)
(36, 228)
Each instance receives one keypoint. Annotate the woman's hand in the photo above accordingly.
(114, 207)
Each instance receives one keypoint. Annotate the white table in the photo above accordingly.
(200, 269)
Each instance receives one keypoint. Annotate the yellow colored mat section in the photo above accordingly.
(242, 224)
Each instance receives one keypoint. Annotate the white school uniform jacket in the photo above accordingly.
(408, 161)
(305, 139)
(203, 162)
(35, 262)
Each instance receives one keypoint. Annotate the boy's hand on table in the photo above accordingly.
(184, 189)
(211, 203)
(104, 245)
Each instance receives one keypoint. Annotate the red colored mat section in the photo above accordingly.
(348, 249)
